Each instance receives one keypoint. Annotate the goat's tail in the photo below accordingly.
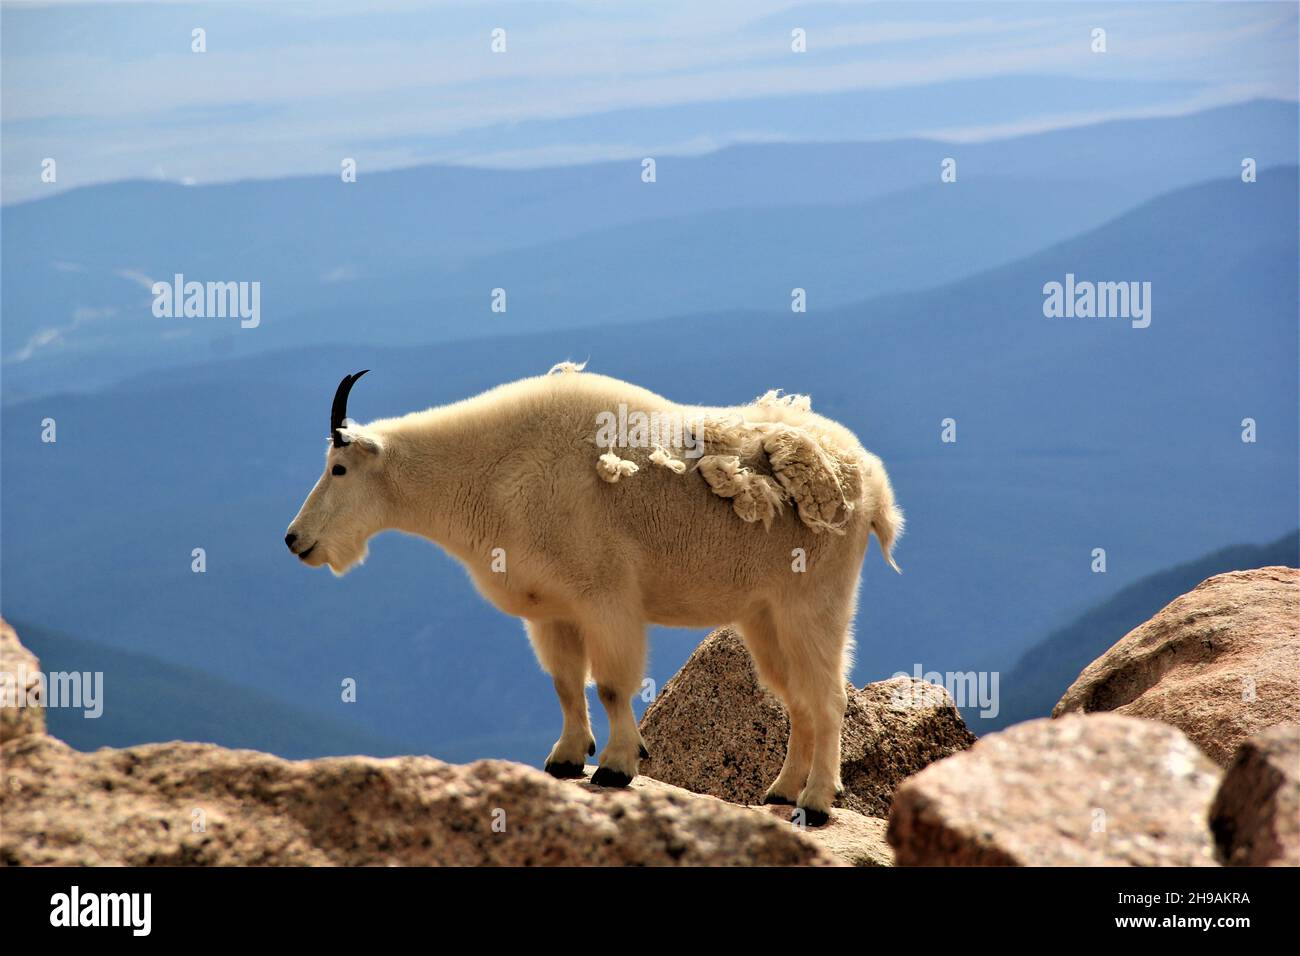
(887, 522)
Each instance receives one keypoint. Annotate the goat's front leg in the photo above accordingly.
(560, 651)
(616, 649)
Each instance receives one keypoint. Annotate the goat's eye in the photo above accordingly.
(338, 470)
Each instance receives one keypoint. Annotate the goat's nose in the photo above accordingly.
(289, 539)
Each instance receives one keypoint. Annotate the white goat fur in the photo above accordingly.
(592, 557)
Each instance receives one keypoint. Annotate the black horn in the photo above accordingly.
(340, 409)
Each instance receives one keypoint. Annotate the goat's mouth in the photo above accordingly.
(306, 553)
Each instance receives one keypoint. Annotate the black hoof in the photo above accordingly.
(775, 799)
(645, 754)
(607, 777)
(591, 749)
(814, 818)
(564, 770)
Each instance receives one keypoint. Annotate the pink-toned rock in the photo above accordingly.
(1221, 663)
(19, 688)
(714, 729)
(199, 804)
(851, 837)
(1256, 814)
(1098, 790)
(855, 839)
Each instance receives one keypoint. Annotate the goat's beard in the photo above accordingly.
(344, 560)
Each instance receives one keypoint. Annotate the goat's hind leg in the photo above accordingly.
(817, 645)
(760, 634)
(561, 653)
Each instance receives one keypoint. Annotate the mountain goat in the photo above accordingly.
(590, 508)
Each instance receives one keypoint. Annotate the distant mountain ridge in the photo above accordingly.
(1032, 688)
(411, 256)
(146, 700)
(1072, 434)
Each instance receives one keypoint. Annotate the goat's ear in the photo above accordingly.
(354, 436)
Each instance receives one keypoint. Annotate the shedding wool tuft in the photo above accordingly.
(754, 497)
(774, 399)
(661, 457)
(562, 367)
(610, 467)
(813, 478)
(764, 465)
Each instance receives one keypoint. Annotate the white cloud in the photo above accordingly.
(55, 336)
(133, 275)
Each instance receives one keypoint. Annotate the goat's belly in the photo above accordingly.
(694, 606)
(522, 600)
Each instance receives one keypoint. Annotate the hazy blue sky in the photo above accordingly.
(112, 91)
